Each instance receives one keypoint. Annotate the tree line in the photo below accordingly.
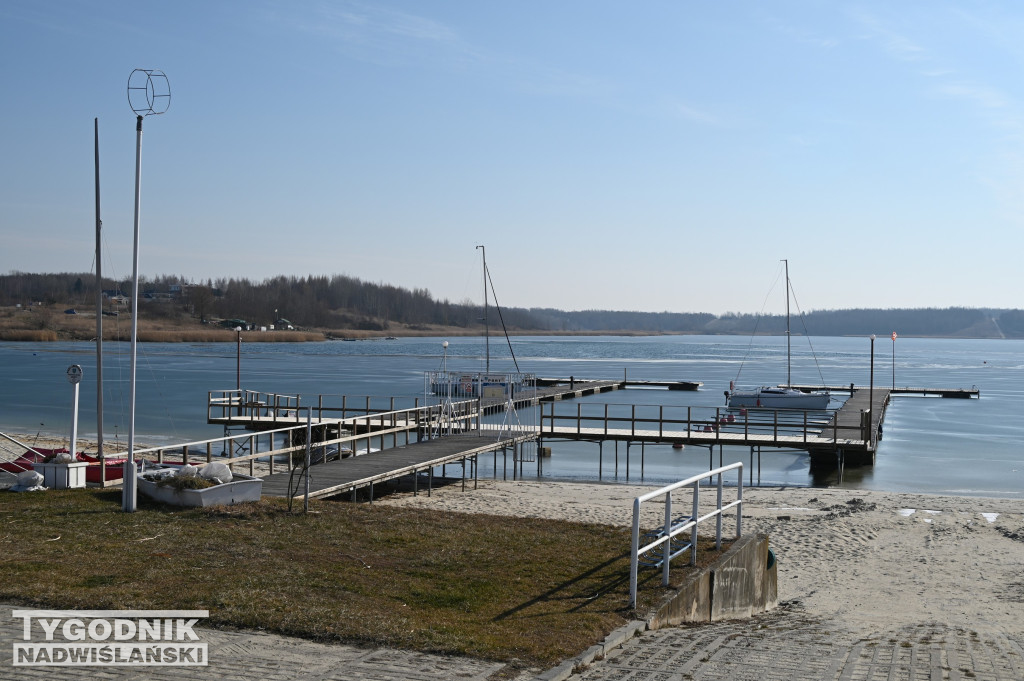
(343, 302)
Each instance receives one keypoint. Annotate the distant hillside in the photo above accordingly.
(340, 303)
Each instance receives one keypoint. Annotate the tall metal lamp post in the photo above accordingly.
(238, 363)
(894, 361)
(148, 94)
(871, 392)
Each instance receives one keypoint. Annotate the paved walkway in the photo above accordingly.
(788, 645)
(254, 656)
(785, 644)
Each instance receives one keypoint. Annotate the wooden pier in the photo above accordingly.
(836, 438)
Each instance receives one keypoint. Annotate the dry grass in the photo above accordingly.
(44, 324)
(207, 335)
(50, 324)
(39, 335)
(486, 586)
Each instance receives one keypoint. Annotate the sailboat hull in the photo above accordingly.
(777, 398)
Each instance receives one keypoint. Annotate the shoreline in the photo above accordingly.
(55, 440)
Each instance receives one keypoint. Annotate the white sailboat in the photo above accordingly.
(476, 384)
(777, 397)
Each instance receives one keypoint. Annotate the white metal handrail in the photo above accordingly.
(673, 529)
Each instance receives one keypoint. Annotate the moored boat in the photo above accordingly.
(777, 397)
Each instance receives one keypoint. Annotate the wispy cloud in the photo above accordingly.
(895, 43)
(980, 95)
(949, 79)
(373, 23)
(694, 115)
(800, 34)
(370, 33)
(385, 35)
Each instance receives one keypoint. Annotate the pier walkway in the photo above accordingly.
(340, 426)
(962, 393)
(355, 472)
(257, 410)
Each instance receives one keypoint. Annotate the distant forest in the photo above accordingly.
(340, 302)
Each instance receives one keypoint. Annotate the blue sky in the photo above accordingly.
(642, 156)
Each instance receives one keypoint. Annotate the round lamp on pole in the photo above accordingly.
(149, 94)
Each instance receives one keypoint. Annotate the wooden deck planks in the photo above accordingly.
(335, 477)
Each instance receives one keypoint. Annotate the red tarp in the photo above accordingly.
(115, 470)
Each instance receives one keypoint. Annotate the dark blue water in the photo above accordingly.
(973, 447)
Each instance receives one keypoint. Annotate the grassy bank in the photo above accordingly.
(47, 324)
(490, 587)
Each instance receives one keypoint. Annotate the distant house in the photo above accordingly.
(114, 294)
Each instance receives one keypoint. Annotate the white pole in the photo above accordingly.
(487, 326)
(99, 306)
(309, 444)
(128, 494)
(74, 420)
(74, 377)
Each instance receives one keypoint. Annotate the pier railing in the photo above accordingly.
(704, 425)
(665, 538)
(283, 447)
(266, 407)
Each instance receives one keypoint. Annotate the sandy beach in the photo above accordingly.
(875, 561)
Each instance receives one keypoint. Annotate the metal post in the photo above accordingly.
(129, 493)
(666, 558)
(148, 93)
(894, 361)
(718, 518)
(99, 313)
(739, 506)
(635, 546)
(487, 328)
(74, 378)
(871, 394)
(309, 443)
(696, 514)
(238, 367)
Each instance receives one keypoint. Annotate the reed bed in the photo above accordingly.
(34, 335)
(222, 336)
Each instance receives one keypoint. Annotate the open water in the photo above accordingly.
(931, 445)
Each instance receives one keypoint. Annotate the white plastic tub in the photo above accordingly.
(242, 488)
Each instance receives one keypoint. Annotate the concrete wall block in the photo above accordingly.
(734, 579)
(737, 585)
(690, 603)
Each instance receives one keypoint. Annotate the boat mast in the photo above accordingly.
(789, 378)
(99, 304)
(487, 328)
